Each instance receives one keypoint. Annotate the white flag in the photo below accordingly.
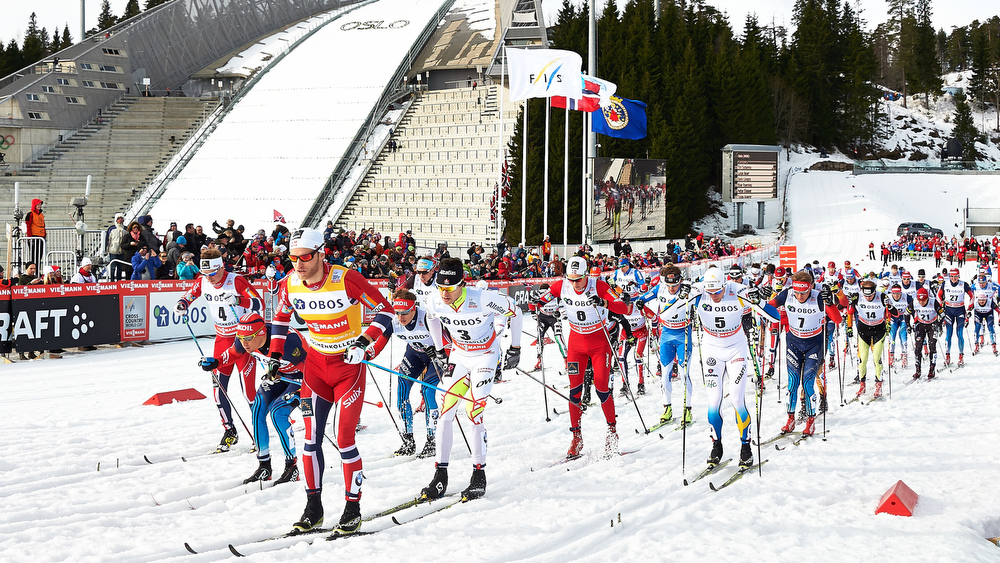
(542, 73)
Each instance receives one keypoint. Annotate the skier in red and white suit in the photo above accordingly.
(228, 296)
(587, 302)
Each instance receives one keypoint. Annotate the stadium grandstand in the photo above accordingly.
(379, 114)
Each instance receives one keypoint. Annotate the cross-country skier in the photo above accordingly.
(228, 296)
(421, 282)
(899, 304)
(627, 278)
(675, 334)
(277, 397)
(986, 299)
(587, 302)
(807, 310)
(952, 295)
(547, 318)
(872, 313)
(409, 322)
(725, 348)
(330, 300)
(469, 315)
(927, 313)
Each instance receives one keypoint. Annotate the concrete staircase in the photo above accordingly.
(440, 180)
(123, 150)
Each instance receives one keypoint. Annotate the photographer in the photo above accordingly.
(187, 270)
(144, 264)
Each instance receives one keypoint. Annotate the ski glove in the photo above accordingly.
(827, 294)
(356, 352)
(850, 332)
(597, 301)
(754, 296)
(271, 366)
(181, 308)
(512, 358)
(630, 341)
(626, 298)
(270, 272)
(440, 359)
(232, 300)
(685, 290)
(640, 304)
(208, 364)
(765, 292)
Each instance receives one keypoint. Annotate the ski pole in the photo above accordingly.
(459, 424)
(621, 366)
(218, 384)
(541, 364)
(687, 377)
(392, 418)
(757, 401)
(396, 373)
(540, 382)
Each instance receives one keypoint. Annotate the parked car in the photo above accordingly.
(922, 229)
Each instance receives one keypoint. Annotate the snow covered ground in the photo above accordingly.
(815, 502)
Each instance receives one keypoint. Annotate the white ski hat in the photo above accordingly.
(306, 238)
(576, 268)
(713, 280)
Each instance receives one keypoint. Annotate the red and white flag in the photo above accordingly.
(586, 103)
(279, 217)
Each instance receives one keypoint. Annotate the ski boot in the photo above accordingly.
(538, 364)
(659, 370)
(291, 472)
(904, 362)
(229, 439)
(611, 442)
(350, 520)
(477, 485)
(624, 392)
(930, 373)
(809, 430)
(716, 456)
(770, 372)
(312, 516)
(668, 414)
(861, 389)
(430, 448)
(857, 379)
(790, 425)
(640, 389)
(746, 456)
(823, 405)
(916, 375)
(438, 484)
(675, 373)
(263, 472)
(409, 447)
(832, 364)
(947, 360)
(576, 446)
(878, 390)
(421, 407)
(994, 349)
(688, 419)
(961, 360)
(498, 377)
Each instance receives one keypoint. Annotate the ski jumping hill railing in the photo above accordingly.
(324, 205)
(306, 117)
(148, 198)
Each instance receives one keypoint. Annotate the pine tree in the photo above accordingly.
(106, 19)
(131, 10)
(980, 62)
(965, 129)
(33, 49)
(154, 3)
(899, 27)
(926, 75)
(14, 56)
(67, 39)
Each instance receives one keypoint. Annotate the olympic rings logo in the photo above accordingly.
(6, 142)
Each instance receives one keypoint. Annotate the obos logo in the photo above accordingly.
(299, 304)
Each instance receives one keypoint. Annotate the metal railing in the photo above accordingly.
(54, 250)
(335, 182)
(154, 190)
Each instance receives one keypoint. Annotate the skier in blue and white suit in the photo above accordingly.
(952, 294)
(984, 302)
(627, 278)
(721, 305)
(675, 333)
(411, 325)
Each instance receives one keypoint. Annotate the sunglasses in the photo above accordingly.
(868, 291)
(304, 257)
(249, 337)
(448, 288)
(404, 312)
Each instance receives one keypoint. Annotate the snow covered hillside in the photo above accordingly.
(814, 502)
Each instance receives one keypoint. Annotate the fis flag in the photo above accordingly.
(542, 73)
(622, 118)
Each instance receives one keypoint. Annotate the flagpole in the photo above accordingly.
(500, 151)
(545, 182)
(585, 202)
(524, 170)
(566, 186)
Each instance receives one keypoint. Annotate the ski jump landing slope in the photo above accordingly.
(281, 142)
